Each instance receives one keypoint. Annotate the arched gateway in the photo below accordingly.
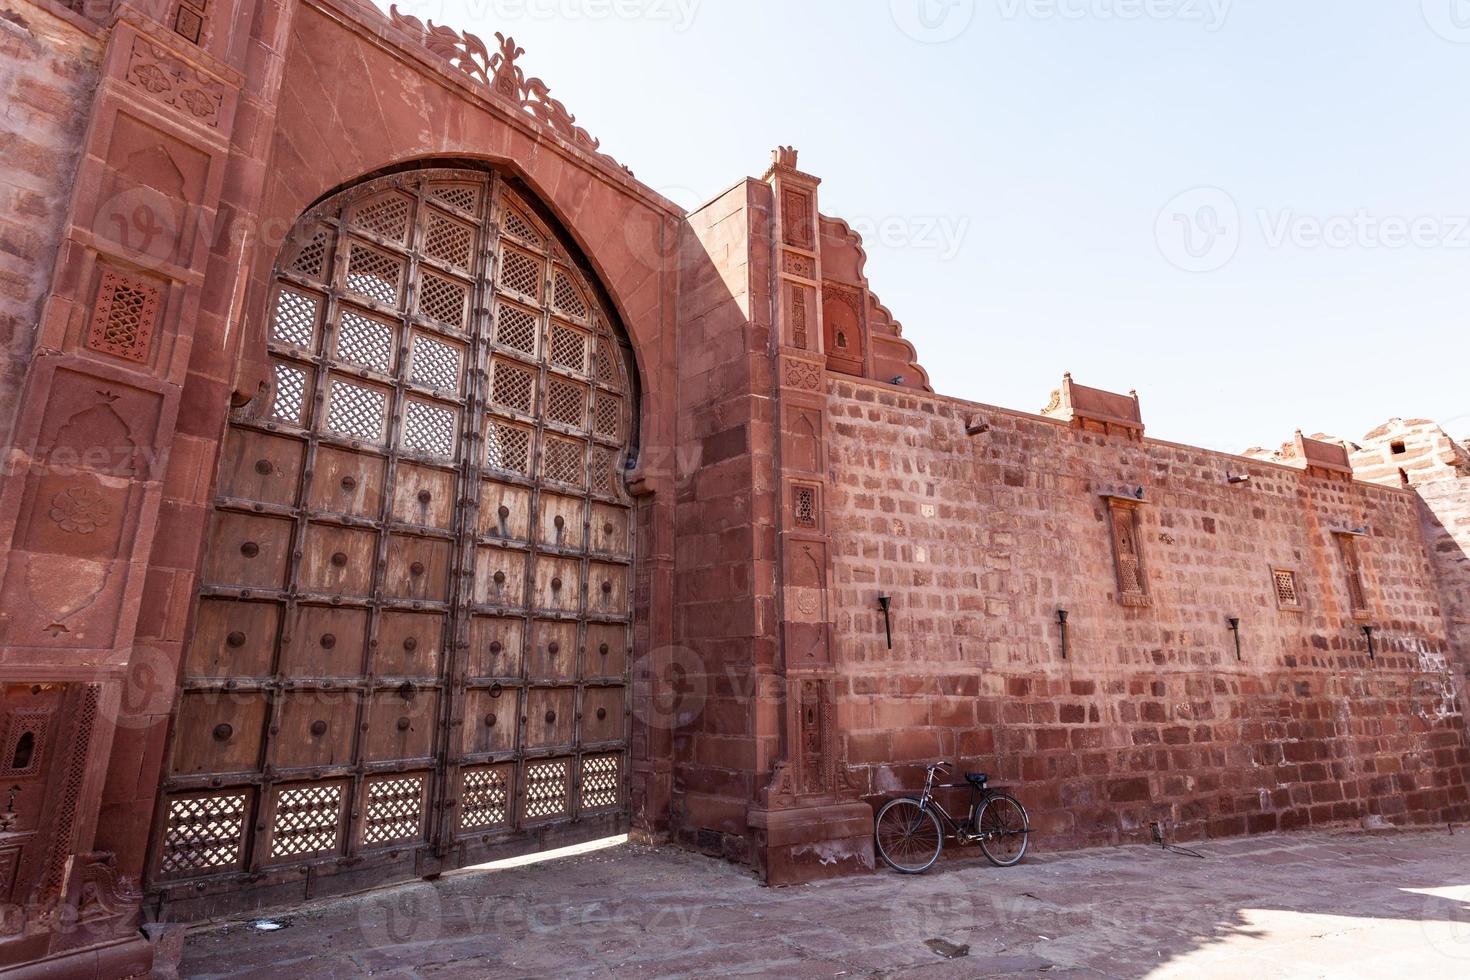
(412, 629)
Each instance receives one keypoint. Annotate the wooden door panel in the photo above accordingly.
(607, 589)
(345, 482)
(324, 641)
(610, 533)
(418, 568)
(267, 467)
(401, 724)
(602, 714)
(505, 512)
(338, 561)
(550, 716)
(218, 731)
(500, 577)
(560, 522)
(409, 645)
(486, 800)
(491, 718)
(233, 639)
(496, 646)
(606, 650)
(423, 496)
(553, 651)
(316, 729)
(248, 551)
(558, 585)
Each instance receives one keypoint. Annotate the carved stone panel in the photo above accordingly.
(124, 316)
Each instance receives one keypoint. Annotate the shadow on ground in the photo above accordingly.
(1303, 905)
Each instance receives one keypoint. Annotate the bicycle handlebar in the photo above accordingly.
(939, 765)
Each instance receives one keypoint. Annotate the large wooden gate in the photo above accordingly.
(413, 626)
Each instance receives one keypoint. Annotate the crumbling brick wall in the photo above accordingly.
(49, 60)
(1420, 455)
(981, 538)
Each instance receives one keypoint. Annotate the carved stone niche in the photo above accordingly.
(1125, 520)
(844, 331)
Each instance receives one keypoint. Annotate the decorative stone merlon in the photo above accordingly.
(1094, 408)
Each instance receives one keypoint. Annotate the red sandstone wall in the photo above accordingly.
(721, 605)
(980, 540)
(49, 61)
(1446, 519)
(1422, 456)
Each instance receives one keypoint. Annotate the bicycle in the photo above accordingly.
(909, 831)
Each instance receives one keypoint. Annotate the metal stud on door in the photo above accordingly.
(389, 672)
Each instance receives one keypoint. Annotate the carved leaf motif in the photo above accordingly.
(474, 46)
(407, 21)
(198, 103)
(499, 71)
(152, 78)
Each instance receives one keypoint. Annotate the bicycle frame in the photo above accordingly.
(953, 827)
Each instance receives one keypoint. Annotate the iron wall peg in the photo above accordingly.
(884, 602)
(1234, 622)
(1368, 632)
(1062, 622)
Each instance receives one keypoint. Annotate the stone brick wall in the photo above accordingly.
(49, 61)
(720, 600)
(980, 540)
(1420, 455)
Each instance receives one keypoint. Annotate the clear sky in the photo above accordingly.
(1256, 212)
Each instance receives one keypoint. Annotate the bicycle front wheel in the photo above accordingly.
(908, 836)
(1003, 830)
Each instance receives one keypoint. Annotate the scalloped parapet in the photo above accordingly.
(861, 337)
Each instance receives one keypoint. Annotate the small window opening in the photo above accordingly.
(25, 747)
(842, 340)
(1398, 448)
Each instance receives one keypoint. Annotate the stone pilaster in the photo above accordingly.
(807, 824)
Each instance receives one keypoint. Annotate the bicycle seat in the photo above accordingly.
(978, 778)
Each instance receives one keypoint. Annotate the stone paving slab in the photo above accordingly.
(1347, 904)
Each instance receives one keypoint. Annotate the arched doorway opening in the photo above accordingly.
(411, 638)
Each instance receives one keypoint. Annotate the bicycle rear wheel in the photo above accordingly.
(1003, 829)
(908, 836)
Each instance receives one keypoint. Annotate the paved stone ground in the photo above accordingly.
(1300, 905)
